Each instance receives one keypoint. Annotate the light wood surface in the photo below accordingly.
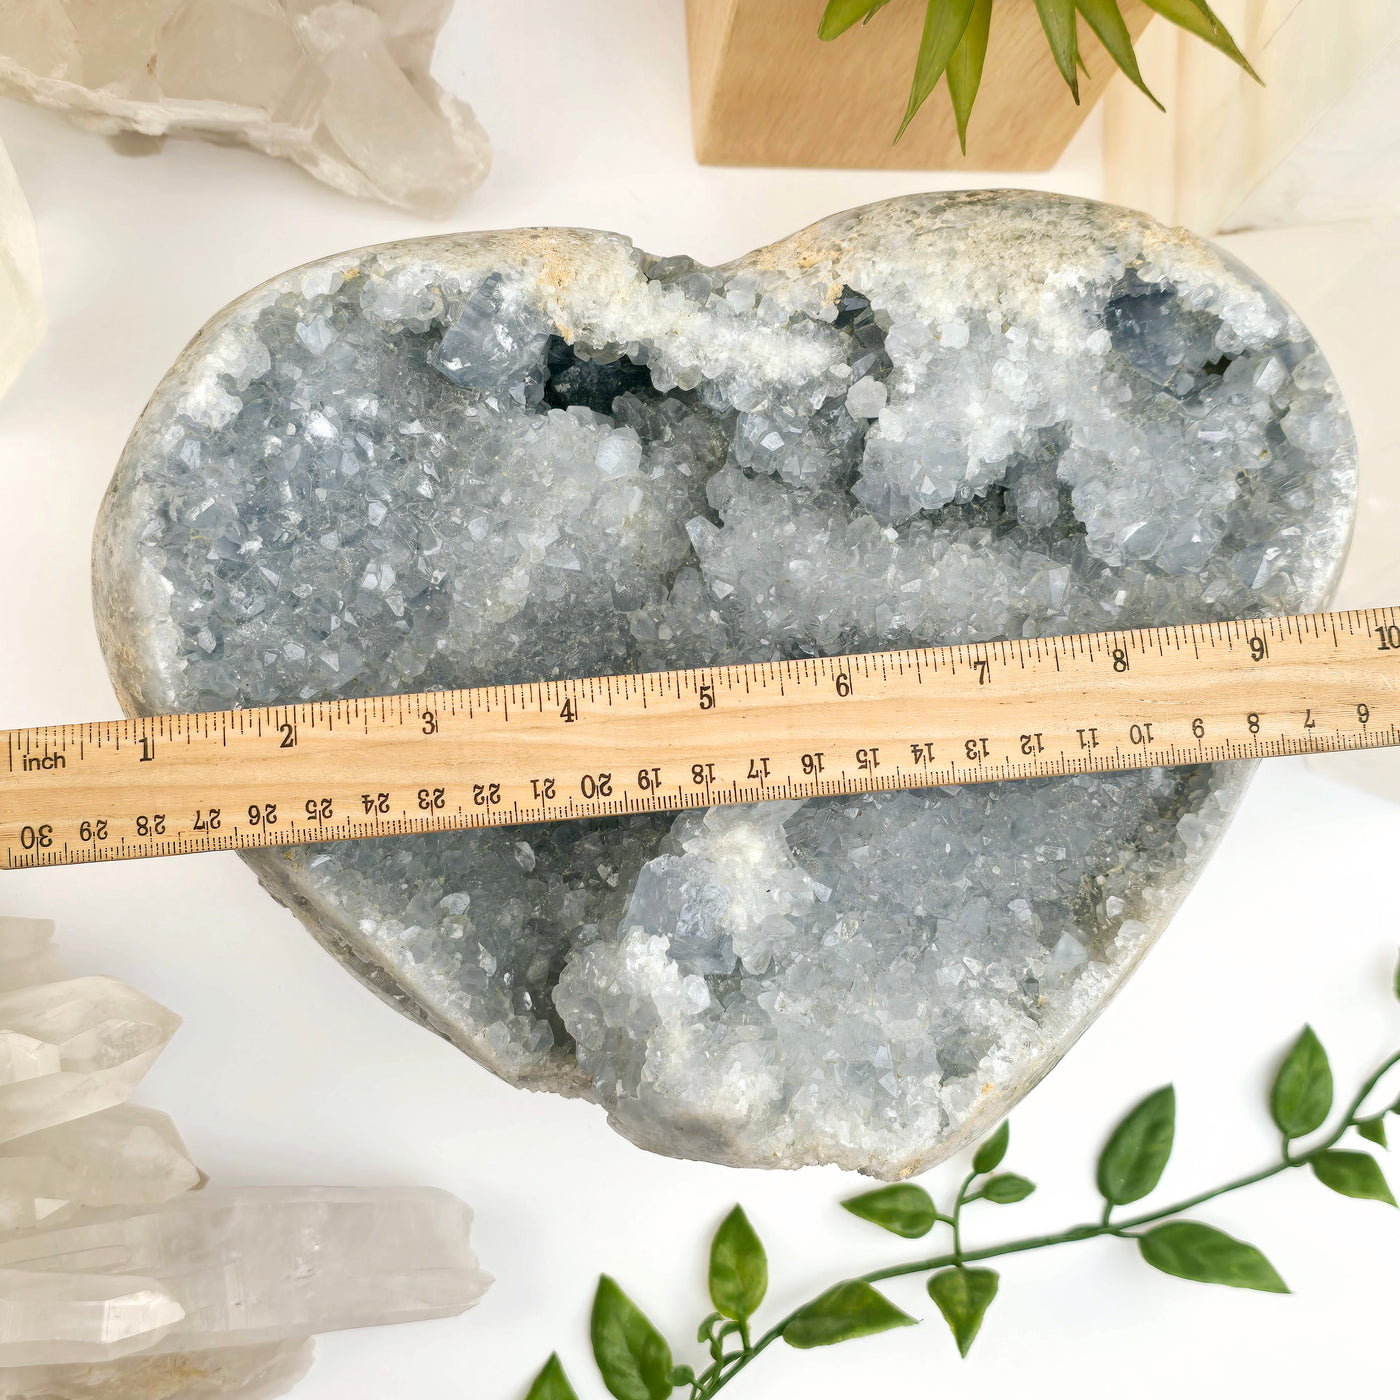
(502, 755)
(766, 91)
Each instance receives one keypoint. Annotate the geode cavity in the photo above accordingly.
(500, 457)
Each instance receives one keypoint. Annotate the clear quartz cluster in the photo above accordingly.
(501, 457)
(341, 87)
(119, 1277)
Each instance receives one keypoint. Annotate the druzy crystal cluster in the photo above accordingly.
(500, 457)
(341, 87)
(122, 1276)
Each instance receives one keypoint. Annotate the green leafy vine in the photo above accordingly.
(636, 1361)
(957, 32)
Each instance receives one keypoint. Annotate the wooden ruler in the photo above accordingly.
(500, 755)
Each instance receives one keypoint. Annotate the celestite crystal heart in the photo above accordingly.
(499, 457)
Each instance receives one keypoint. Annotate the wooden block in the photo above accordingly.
(766, 91)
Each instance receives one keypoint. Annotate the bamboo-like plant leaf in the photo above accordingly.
(1199, 19)
(1106, 20)
(1354, 1174)
(1373, 1130)
(738, 1267)
(1132, 1161)
(944, 25)
(963, 1296)
(848, 1310)
(1058, 21)
(551, 1383)
(840, 15)
(903, 1209)
(988, 1156)
(965, 66)
(1204, 1254)
(633, 1357)
(1302, 1094)
(955, 42)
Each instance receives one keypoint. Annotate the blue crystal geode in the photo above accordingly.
(508, 456)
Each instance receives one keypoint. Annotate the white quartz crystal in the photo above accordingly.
(262, 1264)
(27, 955)
(342, 88)
(119, 1277)
(80, 1316)
(126, 1155)
(233, 1373)
(21, 289)
(498, 457)
(72, 1048)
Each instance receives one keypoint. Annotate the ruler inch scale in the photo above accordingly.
(606, 746)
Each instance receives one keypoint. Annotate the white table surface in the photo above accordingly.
(287, 1071)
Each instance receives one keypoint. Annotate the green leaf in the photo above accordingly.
(963, 1296)
(989, 1154)
(848, 1310)
(1007, 1189)
(1354, 1174)
(551, 1383)
(1062, 31)
(902, 1209)
(1373, 1130)
(944, 25)
(1106, 20)
(1199, 19)
(681, 1375)
(738, 1267)
(840, 15)
(631, 1354)
(1302, 1092)
(1397, 981)
(1207, 1255)
(1131, 1163)
(965, 66)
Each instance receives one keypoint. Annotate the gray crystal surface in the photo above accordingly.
(501, 457)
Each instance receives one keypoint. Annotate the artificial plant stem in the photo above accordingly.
(710, 1386)
(1364, 1093)
(956, 1221)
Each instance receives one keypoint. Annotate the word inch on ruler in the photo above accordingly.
(664, 741)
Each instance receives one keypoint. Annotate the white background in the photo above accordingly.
(287, 1071)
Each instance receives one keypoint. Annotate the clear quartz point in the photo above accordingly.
(341, 88)
(121, 1279)
(253, 1265)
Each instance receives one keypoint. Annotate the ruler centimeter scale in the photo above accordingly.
(668, 740)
